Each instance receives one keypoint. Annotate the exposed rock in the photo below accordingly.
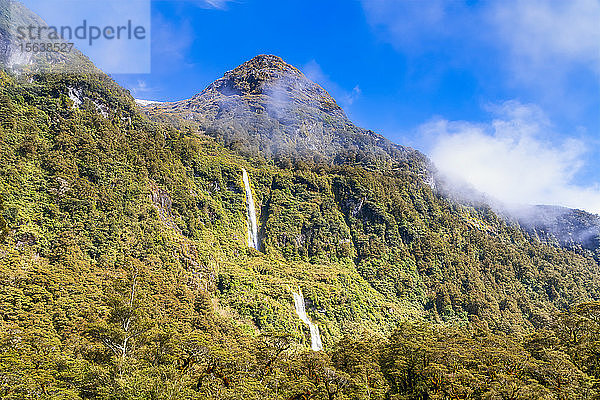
(163, 204)
(269, 108)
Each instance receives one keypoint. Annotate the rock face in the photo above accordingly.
(268, 107)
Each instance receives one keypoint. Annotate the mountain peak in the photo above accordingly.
(267, 61)
(270, 76)
(266, 106)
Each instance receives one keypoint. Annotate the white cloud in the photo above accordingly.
(546, 35)
(218, 4)
(141, 88)
(544, 50)
(538, 43)
(345, 98)
(511, 159)
(314, 72)
(171, 40)
(349, 98)
(409, 25)
(214, 4)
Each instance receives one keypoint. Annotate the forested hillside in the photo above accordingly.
(575, 230)
(125, 271)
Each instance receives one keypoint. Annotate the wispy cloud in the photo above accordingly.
(345, 98)
(218, 4)
(410, 25)
(209, 4)
(349, 98)
(537, 44)
(141, 89)
(171, 40)
(511, 158)
(546, 35)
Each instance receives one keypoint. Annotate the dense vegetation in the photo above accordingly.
(575, 230)
(124, 270)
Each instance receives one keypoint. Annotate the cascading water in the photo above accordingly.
(251, 211)
(315, 338)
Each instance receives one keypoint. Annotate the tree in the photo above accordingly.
(579, 332)
(126, 322)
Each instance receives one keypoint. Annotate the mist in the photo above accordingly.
(515, 158)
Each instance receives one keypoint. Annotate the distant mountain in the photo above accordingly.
(569, 228)
(268, 107)
(554, 225)
(14, 15)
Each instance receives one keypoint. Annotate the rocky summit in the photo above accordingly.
(267, 107)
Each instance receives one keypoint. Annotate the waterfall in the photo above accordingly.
(251, 212)
(315, 338)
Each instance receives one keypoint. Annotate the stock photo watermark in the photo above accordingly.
(41, 36)
(89, 33)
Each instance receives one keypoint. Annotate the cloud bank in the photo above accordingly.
(547, 51)
(511, 158)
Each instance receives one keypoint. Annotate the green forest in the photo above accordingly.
(125, 271)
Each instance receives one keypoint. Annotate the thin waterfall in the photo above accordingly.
(251, 212)
(315, 338)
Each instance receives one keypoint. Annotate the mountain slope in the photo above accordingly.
(126, 273)
(572, 229)
(267, 107)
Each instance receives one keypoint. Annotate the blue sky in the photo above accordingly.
(80, 16)
(502, 94)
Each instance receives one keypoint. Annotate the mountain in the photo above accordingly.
(15, 19)
(125, 270)
(572, 229)
(268, 107)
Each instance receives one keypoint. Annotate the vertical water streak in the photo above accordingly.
(315, 337)
(251, 212)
